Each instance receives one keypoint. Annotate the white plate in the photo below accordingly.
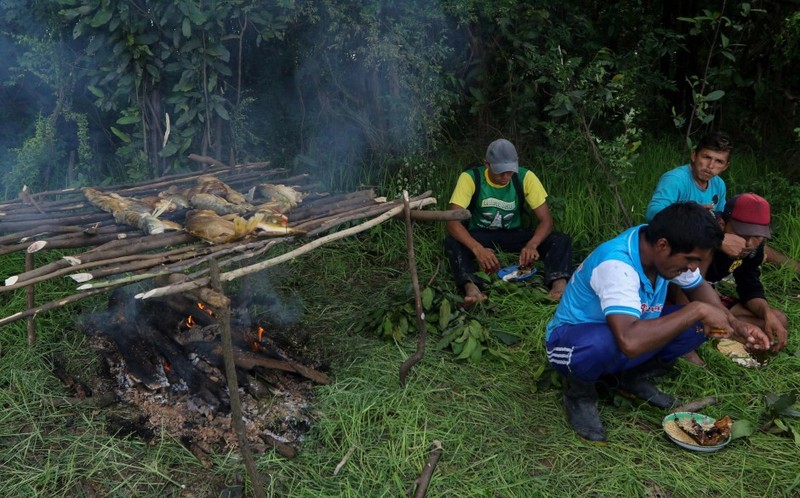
(693, 446)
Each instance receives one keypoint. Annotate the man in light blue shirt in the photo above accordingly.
(612, 325)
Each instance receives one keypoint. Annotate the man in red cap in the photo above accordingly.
(748, 216)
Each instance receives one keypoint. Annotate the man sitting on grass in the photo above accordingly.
(699, 181)
(611, 324)
(748, 217)
(495, 193)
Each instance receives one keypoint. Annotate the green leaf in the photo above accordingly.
(221, 111)
(779, 403)
(170, 149)
(469, 347)
(121, 135)
(505, 337)
(186, 28)
(128, 119)
(96, 91)
(742, 428)
(725, 40)
(444, 313)
(427, 298)
(100, 18)
(715, 95)
(477, 353)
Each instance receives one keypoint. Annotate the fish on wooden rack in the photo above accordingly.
(280, 198)
(129, 211)
(219, 205)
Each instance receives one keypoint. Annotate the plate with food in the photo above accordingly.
(698, 432)
(741, 356)
(516, 273)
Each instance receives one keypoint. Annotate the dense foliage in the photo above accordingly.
(97, 91)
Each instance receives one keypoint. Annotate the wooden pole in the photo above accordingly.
(412, 266)
(29, 301)
(222, 304)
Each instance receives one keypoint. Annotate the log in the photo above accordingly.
(318, 226)
(449, 215)
(72, 219)
(111, 249)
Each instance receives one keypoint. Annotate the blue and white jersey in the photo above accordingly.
(611, 281)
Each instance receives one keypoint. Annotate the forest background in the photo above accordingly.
(96, 92)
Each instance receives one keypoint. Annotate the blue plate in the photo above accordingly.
(512, 274)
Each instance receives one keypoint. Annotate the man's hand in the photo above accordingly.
(775, 331)
(733, 245)
(528, 255)
(751, 336)
(487, 259)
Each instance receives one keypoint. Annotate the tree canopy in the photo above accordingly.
(101, 90)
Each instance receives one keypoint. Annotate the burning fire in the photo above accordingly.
(189, 322)
(206, 309)
(256, 345)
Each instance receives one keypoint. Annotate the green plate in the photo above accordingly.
(694, 446)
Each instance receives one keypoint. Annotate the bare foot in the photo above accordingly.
(557, 289)
(472, 295)
(693, 357)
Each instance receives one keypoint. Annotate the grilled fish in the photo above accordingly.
(279, 198)
(217, 204)
(217, 229)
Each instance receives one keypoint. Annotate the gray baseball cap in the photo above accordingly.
(502, 157)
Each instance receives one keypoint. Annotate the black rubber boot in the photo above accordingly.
(636, 382)
(580, 403)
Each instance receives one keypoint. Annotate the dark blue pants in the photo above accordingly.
(589, 351)
(555, 252)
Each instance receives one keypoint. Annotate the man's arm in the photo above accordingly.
(486, 258)
(777, 258)
(635, 336)
(544, 227)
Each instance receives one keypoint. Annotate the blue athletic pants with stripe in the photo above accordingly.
(590, 351)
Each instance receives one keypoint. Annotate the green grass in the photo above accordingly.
(501, 426)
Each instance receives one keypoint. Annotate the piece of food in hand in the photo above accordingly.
(707, 434)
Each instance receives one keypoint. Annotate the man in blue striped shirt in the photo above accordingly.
(612, 325)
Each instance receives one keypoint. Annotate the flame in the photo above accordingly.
(206, 309)
(254, 346)
(167, 366)
(189, 322)
(260, 333)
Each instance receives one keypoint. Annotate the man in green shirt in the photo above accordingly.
(495, 193)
